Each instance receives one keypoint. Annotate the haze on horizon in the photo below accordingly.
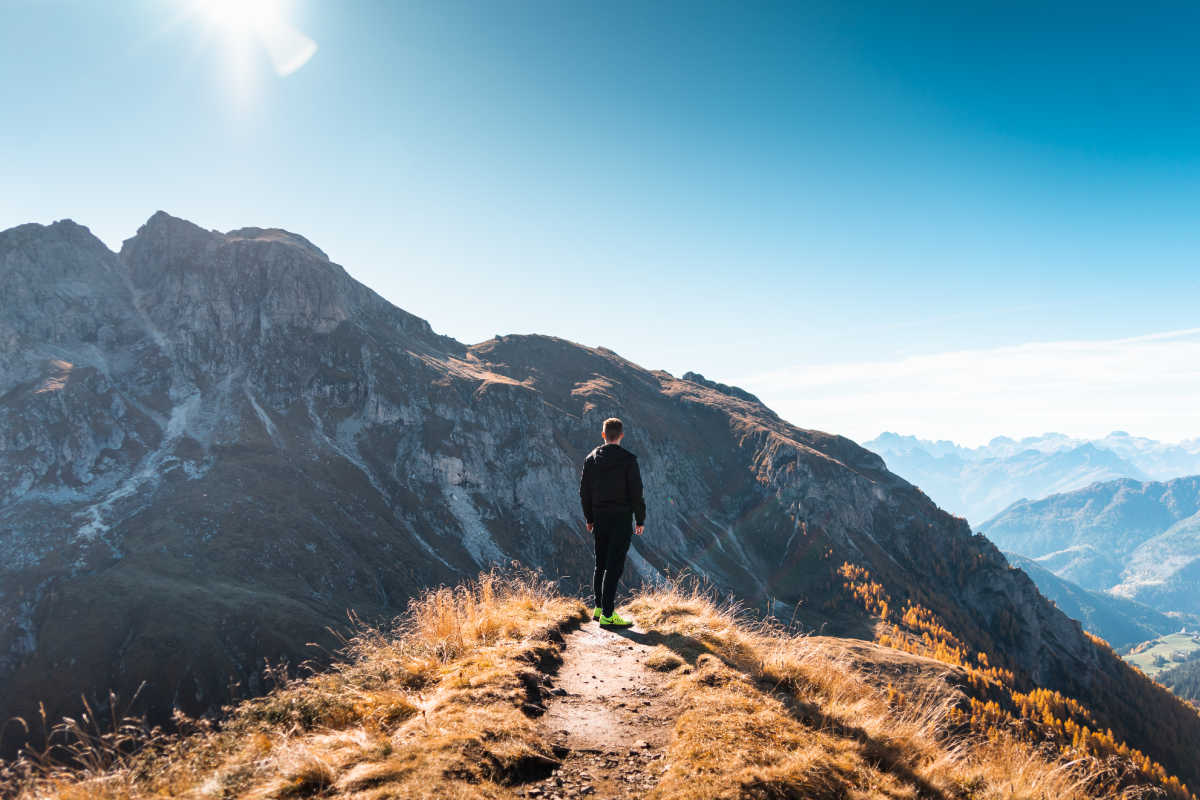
(956, 223)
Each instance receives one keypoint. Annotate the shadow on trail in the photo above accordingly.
(686, 647)
(883, 755)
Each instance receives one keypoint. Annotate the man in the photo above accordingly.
(610, 491)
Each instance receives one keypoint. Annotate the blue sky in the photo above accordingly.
(770, 194)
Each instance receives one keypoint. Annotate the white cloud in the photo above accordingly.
(1148, 385)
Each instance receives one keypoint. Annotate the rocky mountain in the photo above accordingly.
(1118, 621)
(1134, 539)
(212, 445)
(980, 482)
(1159, 460)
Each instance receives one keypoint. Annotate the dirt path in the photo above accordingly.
(610, 714)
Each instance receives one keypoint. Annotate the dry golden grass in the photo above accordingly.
(768, 714)
(436, 708)
(662, 659)
(432, 708)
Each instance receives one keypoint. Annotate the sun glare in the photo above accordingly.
(242, 15)
(264, 21)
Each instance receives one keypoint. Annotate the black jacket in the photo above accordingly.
(611, 481)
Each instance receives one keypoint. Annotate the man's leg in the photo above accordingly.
(600, 531)
(614, 562)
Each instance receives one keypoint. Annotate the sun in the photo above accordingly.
(248, 23)
(242, 16)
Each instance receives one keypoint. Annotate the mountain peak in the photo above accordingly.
(165, 230)
(68, 227)
(228, 289)
(166, 227)
(732, 391)
(161, 220)
(35, 257)
(62, 230)
(277, 235)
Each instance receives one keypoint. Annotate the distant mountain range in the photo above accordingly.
(1134, 539)
(978, 483)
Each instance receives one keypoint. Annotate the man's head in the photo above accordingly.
(613, 430)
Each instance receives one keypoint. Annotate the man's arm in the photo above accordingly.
(585, 494)
(634, 489)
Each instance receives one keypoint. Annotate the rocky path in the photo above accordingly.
(609, 715)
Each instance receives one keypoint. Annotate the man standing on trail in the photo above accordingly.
(611, 493)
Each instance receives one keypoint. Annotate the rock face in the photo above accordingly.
(213, 445)
(1117, 620)
(1134, 539)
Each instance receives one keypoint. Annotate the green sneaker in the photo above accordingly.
(596, 613)
(615, 620)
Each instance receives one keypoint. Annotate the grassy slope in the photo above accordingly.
(1146, 656)
(432, 709)
(766, 714)
(446, 706)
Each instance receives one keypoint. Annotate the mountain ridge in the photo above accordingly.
(1134, 539)
(980, 482)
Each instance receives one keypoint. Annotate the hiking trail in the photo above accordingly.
(608, 715)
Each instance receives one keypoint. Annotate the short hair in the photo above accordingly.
(612, 428)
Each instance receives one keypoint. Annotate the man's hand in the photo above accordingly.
(638, 530)
(590, 526)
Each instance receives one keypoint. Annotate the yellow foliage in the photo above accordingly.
(1049, 715)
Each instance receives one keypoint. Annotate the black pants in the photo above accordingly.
(613, 533)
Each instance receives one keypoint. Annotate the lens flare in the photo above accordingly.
(261, 21)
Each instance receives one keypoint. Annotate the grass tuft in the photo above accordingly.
(663, 660)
